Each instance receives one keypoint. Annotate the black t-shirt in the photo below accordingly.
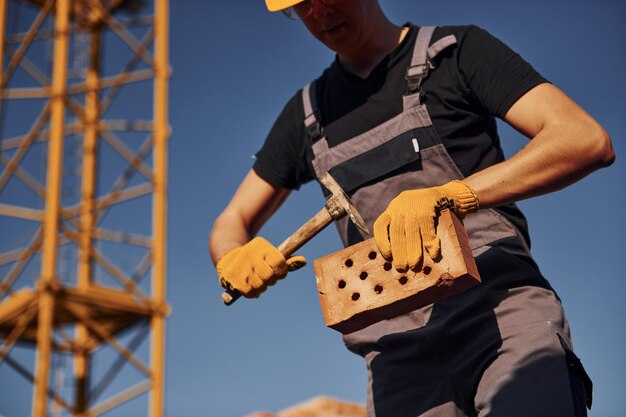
(473, 82)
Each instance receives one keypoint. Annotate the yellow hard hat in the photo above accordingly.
(276, 5)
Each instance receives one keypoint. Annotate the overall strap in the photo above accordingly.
(423, 57)
(311, 112)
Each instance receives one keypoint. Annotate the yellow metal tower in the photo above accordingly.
(103, 303)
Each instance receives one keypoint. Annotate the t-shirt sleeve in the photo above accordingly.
(496, 75)
(281, 161)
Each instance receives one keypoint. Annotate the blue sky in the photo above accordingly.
(234, 67)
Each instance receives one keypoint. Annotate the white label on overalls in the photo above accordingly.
(416, 145)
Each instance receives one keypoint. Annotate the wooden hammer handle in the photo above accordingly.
(294, 242)
(305, 233)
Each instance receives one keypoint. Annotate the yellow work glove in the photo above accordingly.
(251, 268)
(407, 226)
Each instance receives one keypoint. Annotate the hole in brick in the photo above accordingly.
(372, 255)
(356, 296)
(378, 289)
(363, 275)
(427, 270)
(387, 266)
(342, 284)
(403, 280)
(349, 262)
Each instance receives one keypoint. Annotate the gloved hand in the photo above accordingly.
(251, 268)
(407, 226)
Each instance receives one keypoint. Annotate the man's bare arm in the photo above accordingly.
(567, 144)
(252, 205)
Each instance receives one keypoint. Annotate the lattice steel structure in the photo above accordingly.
(99, 311)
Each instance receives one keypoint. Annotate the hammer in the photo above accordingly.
(337, 206)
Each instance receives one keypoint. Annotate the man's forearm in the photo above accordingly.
(567, 144)
(228, 232)
(252, 205)
(543, 166)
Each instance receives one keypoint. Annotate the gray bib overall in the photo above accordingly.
(446, 359)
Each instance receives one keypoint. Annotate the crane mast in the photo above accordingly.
(110, 307)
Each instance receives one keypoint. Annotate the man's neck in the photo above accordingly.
(361, 62)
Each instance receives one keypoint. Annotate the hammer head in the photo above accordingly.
(339, 203)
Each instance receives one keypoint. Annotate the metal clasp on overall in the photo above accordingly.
(415, 76)
(314, 131)
(313, 126)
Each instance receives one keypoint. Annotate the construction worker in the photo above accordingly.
(404, 120)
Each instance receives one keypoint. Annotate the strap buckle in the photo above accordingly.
(312, 126)
(314, 131)
(415, 76)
